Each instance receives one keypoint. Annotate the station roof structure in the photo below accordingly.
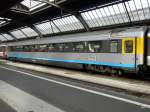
(28, 19)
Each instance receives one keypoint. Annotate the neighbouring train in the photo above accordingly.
(114, 51)
(3, 54)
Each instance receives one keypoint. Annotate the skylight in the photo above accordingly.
(2, 38)
(29, 32)
(32, 5)
(3, 20)
(18, 34)
(47, 28)
(133, 10)
(8, 37)
(69, 23)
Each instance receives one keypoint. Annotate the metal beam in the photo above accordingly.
(127, 12)
(83, 22)
(4, 36)
(12, 35)
(57, 6)
(29, 25)
(20, 9)
(75, 13)
(23, 33)
(55, 25)
(4, 19)
(36, 30)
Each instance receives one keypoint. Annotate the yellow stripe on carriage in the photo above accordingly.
(138, 45)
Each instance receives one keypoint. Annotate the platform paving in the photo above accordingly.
(16, 85)
(132, 85)
(4, 107)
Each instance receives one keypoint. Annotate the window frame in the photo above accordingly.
(113, 41)
(124, 40)
(91, 42)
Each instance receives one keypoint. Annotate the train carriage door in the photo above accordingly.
(128, 52)
(148, 48)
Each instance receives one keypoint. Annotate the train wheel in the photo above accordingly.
(86, 68)
(113, 72)
(145, 76)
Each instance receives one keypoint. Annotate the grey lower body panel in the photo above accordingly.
(115, 60)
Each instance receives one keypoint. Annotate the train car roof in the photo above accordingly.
(136, 31)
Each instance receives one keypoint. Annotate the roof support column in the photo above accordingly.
(76, 14)
(83, 22)
(36, 30)
(12, 35)
(127, 13)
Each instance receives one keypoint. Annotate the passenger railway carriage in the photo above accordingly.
(126, 49)
(3, 54)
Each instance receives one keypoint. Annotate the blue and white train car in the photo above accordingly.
(123, 49)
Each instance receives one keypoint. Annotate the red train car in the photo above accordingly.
(3, 52)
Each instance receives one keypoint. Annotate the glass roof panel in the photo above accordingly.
(69, 23)
(47, 28)
(32, 5)
(29, 32)
(18, 34)
(7, 36)
(138, 9)
(2, 38)
(118, 13)
(108, 14)
(133, 10)
(37, 6)
(3, 20)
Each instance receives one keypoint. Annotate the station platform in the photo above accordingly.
(33, 91)
(136, 86)
(5, 107)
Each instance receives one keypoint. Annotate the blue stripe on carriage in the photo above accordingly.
(76, 61)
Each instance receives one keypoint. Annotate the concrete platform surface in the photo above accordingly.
(22, 101)
(122, 83)
(28, 91)
(5, 107)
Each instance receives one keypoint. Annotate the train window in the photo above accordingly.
(129, 46)
(32, 48)
(61, 47)
(11, 48)
(43, 48)
(68, 47)
(95, 46)
(56, 47)
(26, 48)
(79, 47)
(51, 47)
(36, 48)
(19, 48)
(1, 49)
(114, 46)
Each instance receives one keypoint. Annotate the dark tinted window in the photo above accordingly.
(68, 47)
(43, 48)
(129, 46)
(51, 47)
(114, 46)
(78, 47)
(2, 48)
(36, 48)
(32, 48)
(19, 48)
(60, 47)
(95, 46)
